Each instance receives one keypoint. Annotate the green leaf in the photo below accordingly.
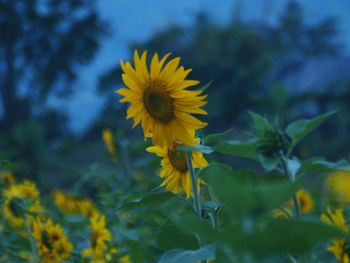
(188, 256)
(206, 86)
(293, 166)
(241, 195)
(269, 164)
(198, 148)
(291, 236)
(171, 237)
(259, 122)
(278, 237)
(319, 165)
(211, 205)
(240, 149)
(137, 251)
(151, 199)
(216, 137)
(299, 129)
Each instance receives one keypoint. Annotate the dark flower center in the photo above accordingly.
(46, 240)
(158, 103)
(178, 160)
(94, 237)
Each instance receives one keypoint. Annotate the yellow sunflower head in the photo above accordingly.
(99, 237)
(21, 199)
(339, 250)
(160, 100)
(52, 244)
(335, 218)
(174, 168)
(87, 208)
(339, 184)
(66, 203)
(339, 247)
(306, 202)
(71, 205)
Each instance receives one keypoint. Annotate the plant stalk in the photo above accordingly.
(35, 254)
(195, 193)
(295, 198)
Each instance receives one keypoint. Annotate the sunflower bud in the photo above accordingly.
(271, 142)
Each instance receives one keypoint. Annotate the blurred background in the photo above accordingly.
(59, 69)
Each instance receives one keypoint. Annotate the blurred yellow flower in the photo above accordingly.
(21, 199)
(306, 205)
(306, 202)
(6, 179)
(99, 237)
(52, 244)
(339, 184)
(282, 214)
(125, 259)
(160, 101)
(174, 168)
(108, 139)
(338, 247)
(71, 205)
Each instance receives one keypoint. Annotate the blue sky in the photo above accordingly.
(138, 20)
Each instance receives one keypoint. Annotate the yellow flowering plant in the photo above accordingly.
(175, 201)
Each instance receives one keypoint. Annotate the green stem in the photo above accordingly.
(124, 152)
(296, 205)
(32, 240)
(214, 213)
(195, 193)
(295, 198)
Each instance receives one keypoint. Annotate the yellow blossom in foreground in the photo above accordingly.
(71, 205)
(338, 247)
(107, 137)
(52, 244)
(21, 199)
(160, 101)
(339, 184)
(174, 168)
(99, 238)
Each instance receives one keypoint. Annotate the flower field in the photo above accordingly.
(177, 194)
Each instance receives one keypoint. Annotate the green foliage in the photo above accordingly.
(188, 256)
(301, 128)
(171, 236)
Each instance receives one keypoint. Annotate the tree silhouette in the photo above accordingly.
(42, 44)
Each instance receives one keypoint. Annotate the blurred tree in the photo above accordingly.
(294, 33)
(42, 43)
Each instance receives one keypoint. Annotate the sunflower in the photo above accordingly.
(160, 101)
(99, 237)
(71, 205)
(339, 184)
(306, 202)
(52, 244)
(339, 246)
(21, 199)
(174, 168)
